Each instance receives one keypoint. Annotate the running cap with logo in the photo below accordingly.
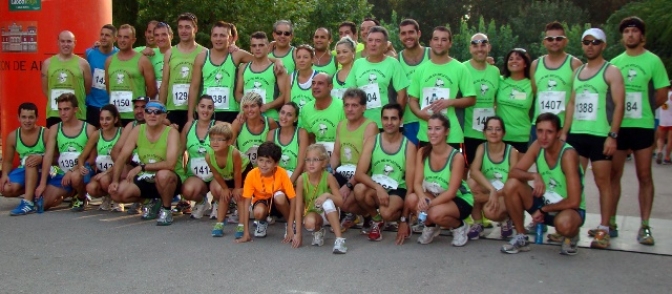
(596, 33)
(142, 98)
(632, 22)
(156, 104)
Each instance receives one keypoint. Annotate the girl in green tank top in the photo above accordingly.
(24, 150)
(302, 77)
(438, 164)
(254, 131)
(345, 55)
(292, 140)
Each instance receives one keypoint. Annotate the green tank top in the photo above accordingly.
(593, 106)
(312, 192)
(227, 171)
(157, 65)
(219, 82)
(409, 116)
(126, 83)
(70, 147)
(351, 142)
(24, 150)
(496, 172)
(264, 83)
(290, 152)
(339, 87)
(436, 181)
(486, 84)
(514, 101)
(104, 149)
(65, 77)
(299, 95)
(181, 66)
(554, 178)
(196, 149)
(389, 169)
(287, 59)
(157, 151)
(248, 142)
(554, 86)
(329, 68)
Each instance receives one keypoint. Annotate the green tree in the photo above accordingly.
(501, 38)
(330, 14)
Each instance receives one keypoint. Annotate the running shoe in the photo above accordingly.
(106, 205)
(428, 234)
(339, 246)
(374, 233)
(78, 205)
(270, 220)
(601, 241)
(182, 207)
(233, 218)
(240, 231)
(366, 225)
(570, 246)
(613, 231)
(460, 235)
(517, 244)
(293, 229)
(644, 236)
(218, 230)
(200, 208)
(165, 218)
(418, 228)
(318, 237)
(475, 232)
(348, 222)
(555, 238)
(667, 161)
(506, 229)
(134, 209)
(531, 229)
(213, 212)
(151, 210)
(659, 158)
(117, 207)
(261, 230)
(23, 208)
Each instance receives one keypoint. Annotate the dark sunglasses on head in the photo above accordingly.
(162, 25)
(521, 50)
(556, 38)
(594, 42)
(280, 33)
(476, 42)
(153, 111)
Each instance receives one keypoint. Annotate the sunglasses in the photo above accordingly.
(476, 42)
(154, 111)
(280, 33)
(595, 42)
(556, 38)
(313, 160)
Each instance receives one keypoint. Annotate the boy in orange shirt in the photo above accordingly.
(266, 185)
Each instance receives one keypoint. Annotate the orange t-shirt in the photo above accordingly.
(262, 188)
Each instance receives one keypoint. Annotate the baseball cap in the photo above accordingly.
(632, 21)
(141, 98)
(596, 33)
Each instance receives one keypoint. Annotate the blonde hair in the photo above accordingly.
(222, 129)
(347, 41)
(319, 148)
(251, 98)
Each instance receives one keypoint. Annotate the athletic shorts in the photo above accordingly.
(411, 131)
(227, 116)
(635, 138)
(399, 192)
(520, 146)
(664, 128)
(93, 115)
(340, 179)
(231, 184)
(463, 207)
(52, 121)
(56, 180)
(588, 146)
(18, 176)
(470, 146)
(178, 117)
(549, 219)
(148, 190)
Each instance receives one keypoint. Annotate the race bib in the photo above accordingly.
(67, 160)
(329, 146)
(480, 116)
(497, 184)
(55, 93)
(104, 162)
(99, 79)
(586, 106)
(372, 96)
(633, 105)
(338, 93)
(252, 154)
(180, 94)
(261, 92)
(432, 188)
(122, 100)
(200, 168)
(551, 197)
(347, 171)
(552, 101)
(220, 96)
(433, 94)
(385, 181)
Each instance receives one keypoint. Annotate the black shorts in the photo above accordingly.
(52, 121)
(93, 115)
(588, 146)
(400, 192)
(227, 116)
(463, 207)
(520, 146)
(340, 179)
(635, 138)
(148, 190)
(470, 146)
(231, 184)
(264, 202)
(549, 219)
(178, 117)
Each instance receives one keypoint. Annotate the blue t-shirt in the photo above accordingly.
(98, 96)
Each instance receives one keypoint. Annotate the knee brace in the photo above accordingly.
(328, 206)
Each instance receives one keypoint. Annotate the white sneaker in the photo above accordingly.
(270, 220)
(117, 207)
(460, 237)
(260, 232)
(199, 209)
(107, 203)
(318, 237)
(339, 246)
(213, 213)
(233, 218)
(428, 234)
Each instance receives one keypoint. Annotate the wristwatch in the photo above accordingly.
(403, 219)
(142, 167)
(349, 185)
(613, 135)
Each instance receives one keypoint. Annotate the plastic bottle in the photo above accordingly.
(422, 217)
(540, 234)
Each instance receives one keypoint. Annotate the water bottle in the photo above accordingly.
(39, 202)
(540, 234)
(422, 217)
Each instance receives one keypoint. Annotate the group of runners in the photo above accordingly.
(361, 134)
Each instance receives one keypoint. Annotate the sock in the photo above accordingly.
(377, 218)
(31, 204)
(612, 220)
(166, 208)
(645, 223)
(476, 221)
(219, 223)
(605, 228)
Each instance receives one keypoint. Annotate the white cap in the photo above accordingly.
(596, 33)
